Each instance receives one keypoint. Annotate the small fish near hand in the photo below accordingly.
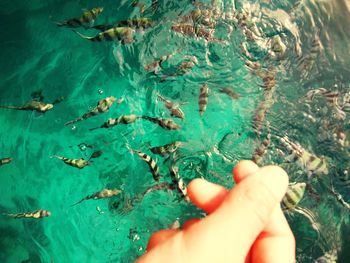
(151, 163)
(105, 193)
(165, 149)
(35, 215)
(203, 99)
(229, 92)
(123, 34)
(77, 163)
(6, 160)
(167, 124)
(124, 119)
(86, 20)
(172, 107)
(293, 196)
(32, 106)
(102, 107)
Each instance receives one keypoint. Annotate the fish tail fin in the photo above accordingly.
(73, 121)
(82, 36)
(57, 23)
(78, 202)
(10, 107)
(57, 157)
(96, 128)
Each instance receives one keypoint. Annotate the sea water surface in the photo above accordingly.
(271, 53)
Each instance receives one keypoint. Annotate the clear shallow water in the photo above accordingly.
(37, 55)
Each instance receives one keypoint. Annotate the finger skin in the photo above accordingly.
(276, 243)
(205, 195)
(190, 223)
(228, 233)
(271, 244)
(243, 169)
(160, 237)
(208, 196)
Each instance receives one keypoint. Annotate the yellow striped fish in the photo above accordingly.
(35, 215)
(86, 20)
(6, 160)
(77, 163)
(32, 106)
(172, 107)
(261, 149)
(165, 149)
(309, 162)
(178, 181)
(105, 193)
(123, 34)
(203, 98)
(329, 257)
(164, 123)
(142, 22)
(293, 196)
(151, 163)
(124, 119)
(101, 107)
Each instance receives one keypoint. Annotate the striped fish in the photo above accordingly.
(138, 198)
(124, 119)
(200, 16)
(101, 107)
(259, 117)
(165, 149)
(329, 257)
(123, 34)
(86, 20)
(293, 196)
(309, 162)
(173, 108)
(203, 98)
(178, 181)
(32, 106)
(151, 163)
(229, 92)
(167, 124)
(307, 62)
(261, 149)
(105, 193)
(193, 31)
(6, 160)
(134, 23)
(345, 106)
(35, 215)
(156, 65)
(330, 96)
(77, 163)
(340, 199)
(186, 65)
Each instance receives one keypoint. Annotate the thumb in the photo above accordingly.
(228, 233)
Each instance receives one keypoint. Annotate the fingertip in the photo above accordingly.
(243, 169)
(206, 195)
(159, 237)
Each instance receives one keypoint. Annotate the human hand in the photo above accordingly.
(245, 224)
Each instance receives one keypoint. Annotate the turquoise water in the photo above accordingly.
(38, 55)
